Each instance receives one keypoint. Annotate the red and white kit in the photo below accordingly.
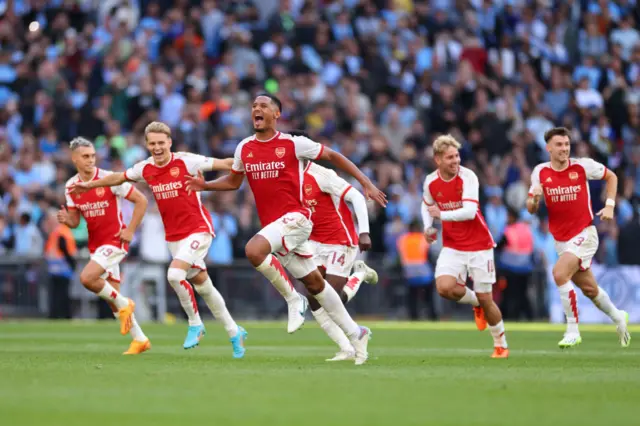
(187, 223)
(467, 243)
(275, 172)
(568, 201)
(102, 210)
(334, 235)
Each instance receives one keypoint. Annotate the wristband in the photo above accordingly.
(610, 202)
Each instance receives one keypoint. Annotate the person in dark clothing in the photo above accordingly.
(60, 250)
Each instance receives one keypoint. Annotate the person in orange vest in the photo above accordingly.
(516, 263)
(59, 251)
(413, 251)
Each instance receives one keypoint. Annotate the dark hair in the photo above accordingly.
(273, 98)
(556, 131)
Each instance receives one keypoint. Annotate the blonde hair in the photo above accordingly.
(157, 127)
(443, 142)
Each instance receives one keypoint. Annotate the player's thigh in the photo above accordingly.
(482, 270)
(192, 251)
(451, 269)
(288, 234)
(108, 259)
(340, 260)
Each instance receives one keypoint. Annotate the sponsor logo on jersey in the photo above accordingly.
(164, 191)
(264, 170)
(573, 175)
(548, 180)
(280, 151)
(100, 192)
(174, 171)
(450, 205)
(96, 209)
(562, 194)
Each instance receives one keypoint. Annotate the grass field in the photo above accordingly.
(418, 374)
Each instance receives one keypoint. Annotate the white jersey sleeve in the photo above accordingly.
(426, 193)
(134, 173)
(195, 162)
(306, 149)
(593, 169)
(238, 165)
(67, 196)
(470, 185)
(535, 178)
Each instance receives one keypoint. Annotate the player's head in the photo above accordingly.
(447, 155)
(558, 142)
(83, 155)
(265, 112)
(157, 135)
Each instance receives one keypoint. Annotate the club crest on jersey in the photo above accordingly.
(308, 189)
(100, 192)
(573, 175)
(280, 151)
(174, 171)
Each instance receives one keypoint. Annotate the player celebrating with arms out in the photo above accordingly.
(335, 244)
(564, 184)
(274, 165)
(187, 224)
(109, 238)
(451, 195)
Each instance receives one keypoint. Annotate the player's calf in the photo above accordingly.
(565, 268)
(494, 318)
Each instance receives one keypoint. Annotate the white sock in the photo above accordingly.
(603, 302)
(334, 307)
(111, 295)
(353, 284)
(178, 280)
(136, 332)
(569, 300)
(333, 331)
(215, 302)
(272, 269)
(469, 298)
(497, 332)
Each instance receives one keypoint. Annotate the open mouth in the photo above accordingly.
(258, 119)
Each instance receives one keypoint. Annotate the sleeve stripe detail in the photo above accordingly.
(604, 175)
(236, 172)
(320, 153)
(469, 199)
(129, 193)
(72, 207)
(127, 177)
(425, 201)
(345, 192)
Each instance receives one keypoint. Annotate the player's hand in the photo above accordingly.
(195, 183)
(373, 193)
(431, 234)
(434, 211)
(606, 213)
(63, 215)
(79, 187)
(537, 193)
(364, 242)
(125, 235)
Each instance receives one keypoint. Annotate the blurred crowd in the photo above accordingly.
(374, 79)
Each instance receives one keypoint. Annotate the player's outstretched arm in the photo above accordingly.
(230, 182)
(113, 179)
(611, 189)
(359, 203)
(344, 164)
(222, 164)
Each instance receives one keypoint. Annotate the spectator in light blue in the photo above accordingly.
(341, 28)
(495, 212)
(396, 207)
(29, 241)
(589, 70)
(226, 228)
(25, 174)
(544, 244)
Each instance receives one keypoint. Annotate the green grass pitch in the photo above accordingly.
(73, 373)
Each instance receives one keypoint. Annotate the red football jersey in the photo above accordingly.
(275, 170)
(324, 193)
(182, 213)
(468, 235)
(567, 196)
(102, 210)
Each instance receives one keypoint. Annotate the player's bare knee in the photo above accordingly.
(560, 275)
(444, 290)
(200, 278)
(175, 276)
(257, 252)
(485, 299)
(88, 279)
